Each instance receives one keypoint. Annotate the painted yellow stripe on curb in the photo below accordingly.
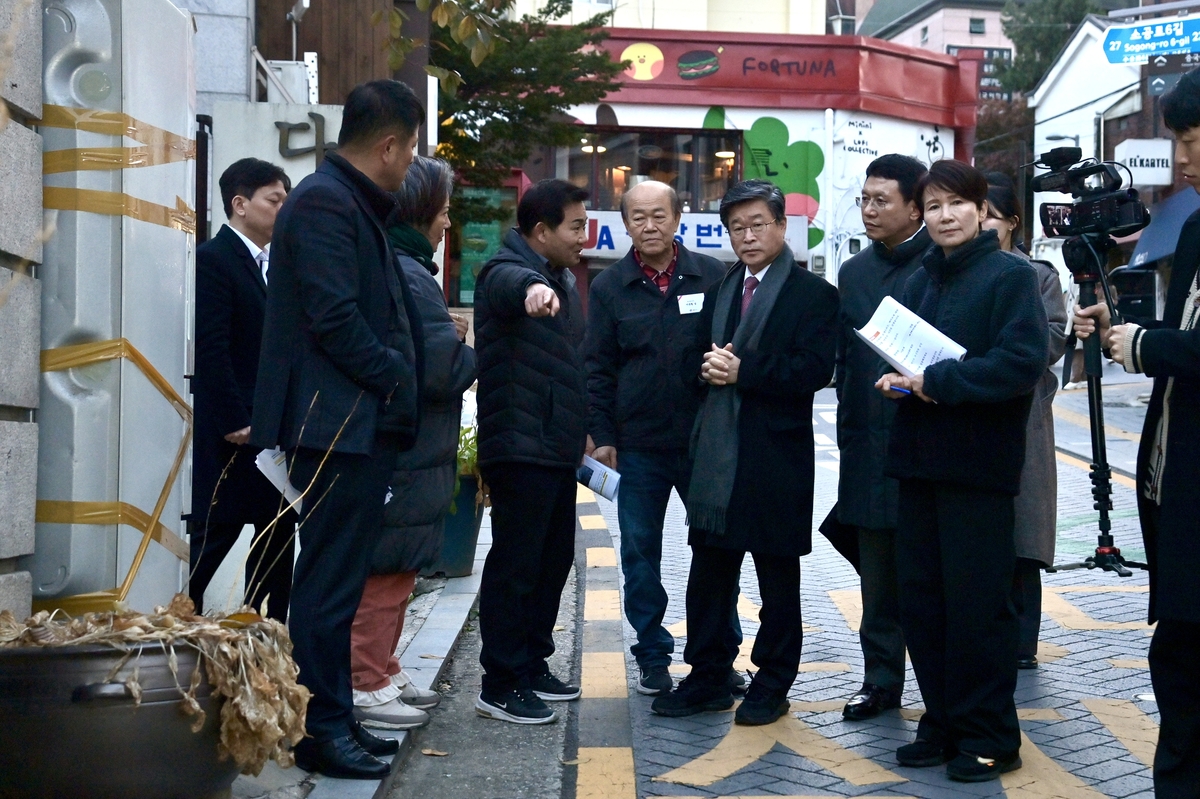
(606, 773)
(1136, 731)
(604, 675)
(849, 602)
(1070, 617)
(592, 522)
(1040, 777)
(1134, 663)
(1087, 467)
(602, 605)
(583, 494)
(599, 557)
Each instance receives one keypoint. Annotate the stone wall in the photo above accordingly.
(20, 291)
(224, 34)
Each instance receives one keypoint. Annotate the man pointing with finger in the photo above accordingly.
(532, 431)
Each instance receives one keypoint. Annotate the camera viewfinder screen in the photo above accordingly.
(1056, 217)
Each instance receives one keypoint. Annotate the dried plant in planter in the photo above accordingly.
(247, 660)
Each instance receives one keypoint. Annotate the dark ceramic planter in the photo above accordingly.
(462, 533)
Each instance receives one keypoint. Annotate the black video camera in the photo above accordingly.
(1101, 206)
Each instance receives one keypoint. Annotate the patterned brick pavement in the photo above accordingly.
(1088, 734)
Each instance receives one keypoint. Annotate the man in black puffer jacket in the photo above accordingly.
(532, 431)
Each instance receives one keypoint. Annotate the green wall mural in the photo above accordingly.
(793, 166)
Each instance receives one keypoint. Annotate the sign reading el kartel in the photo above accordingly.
(1135, 44)
(1149, 160)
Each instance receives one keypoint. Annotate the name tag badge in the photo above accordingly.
(690, 303)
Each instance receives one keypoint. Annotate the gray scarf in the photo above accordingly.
(715, 436)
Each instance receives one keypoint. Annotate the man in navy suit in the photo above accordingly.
(337, 389)
(231, 295)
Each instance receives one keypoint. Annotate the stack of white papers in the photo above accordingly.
(906, 341)
(598, 477)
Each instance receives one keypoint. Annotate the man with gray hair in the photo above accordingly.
(641, 317)
(764, 346)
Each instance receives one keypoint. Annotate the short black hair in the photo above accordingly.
(546, 201)
(676, 203)
(377, 108)
(426, 188)
(1002, 197)
(954, 176)
(904, 169)
(1181, 105)
(749, 190)
(243, 178)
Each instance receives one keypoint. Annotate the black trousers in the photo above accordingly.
(533, 546)
(1174, 653)
(880, 634)
(712, 604)
(341, 520)
(268, 568)
(956, 561)
(1027, 599)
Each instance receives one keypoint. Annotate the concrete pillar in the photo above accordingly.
(20, 294)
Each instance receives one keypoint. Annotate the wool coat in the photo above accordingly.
(1036, 507)
(973, 434)
(532, 386)
(422, 485)
(866, 496)
(770, 509)
(1172, 529)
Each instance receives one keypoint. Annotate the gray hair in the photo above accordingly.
(749, 190)
(676, 203)
(426, 188)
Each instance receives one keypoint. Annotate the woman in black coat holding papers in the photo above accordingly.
(957, 446)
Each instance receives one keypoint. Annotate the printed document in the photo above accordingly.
(905, 340)
(598, 477)
(273, 464)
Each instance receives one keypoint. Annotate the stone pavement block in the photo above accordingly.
(21, 192)
(1111, 769)
(22, 84)
(18, 486)
(20, 338)
(15, 591)
(1131, 785)
(1077, 756)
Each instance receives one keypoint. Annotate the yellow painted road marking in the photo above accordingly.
(583, 494)
(742, 746)
(1133, 663)
(606, 773)
(602, 605)
(1048, 652)
(1040, 777)
(604, 675)
(849, 602)
(1129, 725)
(1082, 420)
(1038, 714)
(594, 522)
(1087, 467)
(598, 557)
(1072, 618)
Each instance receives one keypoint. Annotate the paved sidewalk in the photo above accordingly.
(424, 658)
(1087, 718)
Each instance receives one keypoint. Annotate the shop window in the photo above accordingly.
(699, 165)
(925, 35)
(978, 26)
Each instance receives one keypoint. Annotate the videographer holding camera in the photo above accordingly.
(1168, 468)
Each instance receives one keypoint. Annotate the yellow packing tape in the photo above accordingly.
(72, 512)
(114, 123)
(111, 203)
(104, 158)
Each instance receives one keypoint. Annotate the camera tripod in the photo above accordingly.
(1082, 256)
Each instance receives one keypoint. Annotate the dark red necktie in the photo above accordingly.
(748, 293)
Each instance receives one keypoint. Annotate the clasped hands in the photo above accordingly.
(1112, 337)
(720, 367)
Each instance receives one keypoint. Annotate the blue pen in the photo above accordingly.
(901, 390)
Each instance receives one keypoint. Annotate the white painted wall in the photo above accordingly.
(951, 27)
(765, 16)
(224, 34)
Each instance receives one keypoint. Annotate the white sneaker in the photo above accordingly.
(388, 714)
(410, 694)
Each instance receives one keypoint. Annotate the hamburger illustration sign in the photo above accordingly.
(699, 63)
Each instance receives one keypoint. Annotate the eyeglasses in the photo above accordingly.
(878, 203)
(757, 229)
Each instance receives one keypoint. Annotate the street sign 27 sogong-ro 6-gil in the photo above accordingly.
(1134, 44)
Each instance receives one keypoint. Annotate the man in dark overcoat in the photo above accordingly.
(1167, 468)
(228, 490)
(642, 314)
(866, 498)
(338, 390)
(765, 344)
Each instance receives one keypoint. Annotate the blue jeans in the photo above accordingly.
(647, 478)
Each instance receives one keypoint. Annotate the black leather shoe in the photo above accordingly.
(372, 743)
(870, 702)
(1027, 663)
(342, 758)
(923, 754)
(761, 706)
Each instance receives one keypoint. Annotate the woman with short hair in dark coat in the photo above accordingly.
(957, 446)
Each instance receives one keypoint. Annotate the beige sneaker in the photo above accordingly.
(384, 710)
(410, 694)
